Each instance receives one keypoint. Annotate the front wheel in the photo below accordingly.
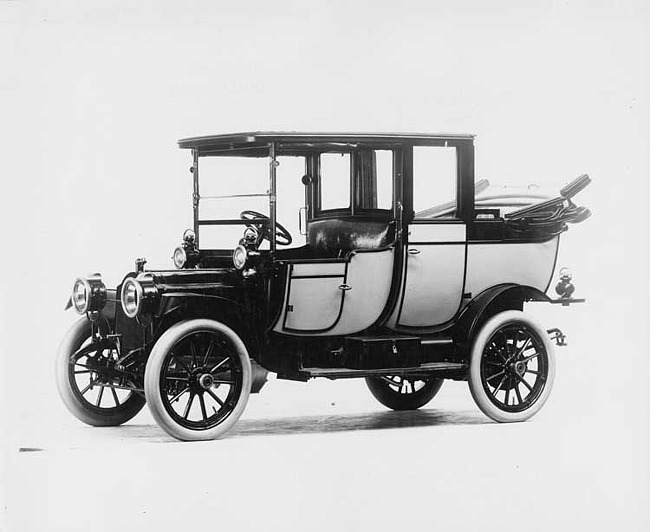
(512, 367)
(198, 380)
(85, 382)
(399, 393)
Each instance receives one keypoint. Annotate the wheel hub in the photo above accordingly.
(206, 381)
(519, 368)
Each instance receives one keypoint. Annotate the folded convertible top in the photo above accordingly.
(552, 215)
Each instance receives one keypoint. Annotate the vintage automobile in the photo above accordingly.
(409, 272)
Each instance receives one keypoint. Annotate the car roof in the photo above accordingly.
(257, 141)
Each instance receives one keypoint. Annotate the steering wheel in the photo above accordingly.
(282, 236)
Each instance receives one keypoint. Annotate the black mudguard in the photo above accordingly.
(493, 300)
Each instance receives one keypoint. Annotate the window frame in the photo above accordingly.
(314, 169)
(464, 180)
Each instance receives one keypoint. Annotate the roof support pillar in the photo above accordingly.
(195, 193)
(272, 194)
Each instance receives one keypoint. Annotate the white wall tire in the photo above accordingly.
(512, 367)
(99, 406)
(198, 380)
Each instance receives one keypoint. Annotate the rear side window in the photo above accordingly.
(384, 169)
(335, 172)
(435, 173)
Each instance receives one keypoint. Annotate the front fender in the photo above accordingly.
(170, 302)
(178, 306)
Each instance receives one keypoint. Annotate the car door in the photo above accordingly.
(341, 284)
(336, 297)
(434, 274)
(435, 248)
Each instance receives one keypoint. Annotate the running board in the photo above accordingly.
(346, 373)
(436, 340)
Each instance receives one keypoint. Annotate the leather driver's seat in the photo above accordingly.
(337, 237)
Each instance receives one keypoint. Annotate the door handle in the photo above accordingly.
(414, 251)
(345, 287)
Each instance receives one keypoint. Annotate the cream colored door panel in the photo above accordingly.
(318, 268)
(314, 304)
(434, 272)
(437, 233)
(434, 284)
(528, 264)
(369, 278)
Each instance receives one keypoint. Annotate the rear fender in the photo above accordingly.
(487, 304)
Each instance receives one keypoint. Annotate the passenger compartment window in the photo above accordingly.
(335, 181)
(384, 161)
(373, 183)
(435, 172)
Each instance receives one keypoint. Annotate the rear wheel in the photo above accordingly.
(400, 393)
(512, 367)
(84, 382)
(198, 380)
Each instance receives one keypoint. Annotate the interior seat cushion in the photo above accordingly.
(333, 236)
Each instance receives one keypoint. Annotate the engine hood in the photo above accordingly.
(196, 280)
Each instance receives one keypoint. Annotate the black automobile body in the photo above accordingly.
(382, 289)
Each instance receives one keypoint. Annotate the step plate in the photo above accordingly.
(345, 373)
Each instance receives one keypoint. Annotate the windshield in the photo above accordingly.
(230, 185)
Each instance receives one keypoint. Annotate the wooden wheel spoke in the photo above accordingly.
(178, 359)
(178, 395)
(193, 353)
(188, 406)
(99, 396)
(208, 352)
(523, 381)
(518, 394)
(515, 341)
(215, 397)
(90, 385)
(498, 351)
(203, 412)
(115, 398)
(515, 353)
(504, 341)
(524, 347)
(495, 376)
(498, 388)
(530, 357)
(215, 368)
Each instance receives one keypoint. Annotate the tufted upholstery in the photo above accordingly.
(332, 237)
